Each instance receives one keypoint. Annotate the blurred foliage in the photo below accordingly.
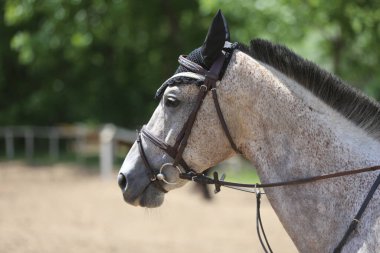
(342, 36)
(89, 60)
(64, 61)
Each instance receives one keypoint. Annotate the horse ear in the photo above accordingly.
(217, 35)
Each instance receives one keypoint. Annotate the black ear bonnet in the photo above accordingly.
(216, 43)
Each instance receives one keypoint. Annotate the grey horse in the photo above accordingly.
(292, 120)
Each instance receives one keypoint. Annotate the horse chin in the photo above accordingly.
(151, 197)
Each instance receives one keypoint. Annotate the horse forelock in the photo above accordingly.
(348, 101)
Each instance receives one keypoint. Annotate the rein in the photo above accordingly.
(255, 188)
(202, 179)
(158, 179)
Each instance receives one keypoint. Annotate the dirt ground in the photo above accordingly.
(67, 209)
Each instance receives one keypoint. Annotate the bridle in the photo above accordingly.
(176, 151)
(157, 176)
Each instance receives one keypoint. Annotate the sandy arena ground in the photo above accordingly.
(66, 209)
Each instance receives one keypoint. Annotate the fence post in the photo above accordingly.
(9, 143)
(54, 144)
(29, 143)
(80, 140)
(106, 137)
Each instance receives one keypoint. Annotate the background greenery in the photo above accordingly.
(95, 61)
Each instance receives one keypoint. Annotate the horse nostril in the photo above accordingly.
(122, 181)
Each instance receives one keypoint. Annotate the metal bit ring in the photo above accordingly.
(160, 176)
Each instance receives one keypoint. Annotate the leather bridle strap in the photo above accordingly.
(355, 221)
(171, 151)
(176, 152)
(222, 120)
(152, 172)
(192, 66)
(211, 77)
(259, 226)
(182, 142)
(200, 178)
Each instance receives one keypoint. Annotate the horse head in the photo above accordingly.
(290, 118)
(185, 127)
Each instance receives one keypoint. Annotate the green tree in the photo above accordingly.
(93, 60)
(64, 61)
(342, 36)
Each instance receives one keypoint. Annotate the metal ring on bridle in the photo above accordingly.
(203, 87)
(160, 176)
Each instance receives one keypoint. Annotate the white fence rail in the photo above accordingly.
(107, 138)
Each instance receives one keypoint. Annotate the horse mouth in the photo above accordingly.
(150, 197)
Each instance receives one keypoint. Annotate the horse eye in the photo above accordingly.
(172, 102)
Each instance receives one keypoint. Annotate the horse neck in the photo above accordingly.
(285, 125)
(288, 133)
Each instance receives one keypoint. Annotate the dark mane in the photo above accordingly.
(351, 103)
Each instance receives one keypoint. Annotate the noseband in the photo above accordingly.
(176, 152)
